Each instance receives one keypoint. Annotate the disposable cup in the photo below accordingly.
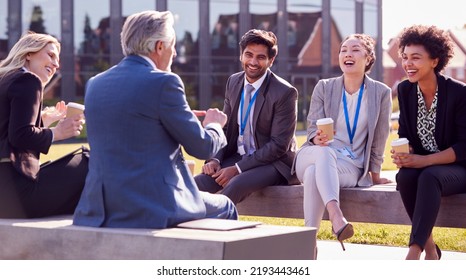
(400, 145)
(326, 125)
(73, 109)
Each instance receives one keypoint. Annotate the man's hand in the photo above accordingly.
(211, 167)
(215, 116)
(224, 175)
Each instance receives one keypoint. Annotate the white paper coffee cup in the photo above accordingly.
(401, 145)
(326, 125)
(192, 165)
(73, 109)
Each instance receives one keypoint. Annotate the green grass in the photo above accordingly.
(451, 239)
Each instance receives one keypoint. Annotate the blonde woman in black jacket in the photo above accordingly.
(26, 189)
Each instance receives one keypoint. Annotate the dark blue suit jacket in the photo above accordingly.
(137, 120)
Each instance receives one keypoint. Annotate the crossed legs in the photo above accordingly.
(323, 174)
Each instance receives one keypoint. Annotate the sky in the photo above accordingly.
(397, 14)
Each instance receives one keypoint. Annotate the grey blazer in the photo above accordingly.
(326, 103)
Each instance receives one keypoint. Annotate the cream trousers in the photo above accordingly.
(323, 171)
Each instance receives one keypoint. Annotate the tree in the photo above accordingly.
(37, 21)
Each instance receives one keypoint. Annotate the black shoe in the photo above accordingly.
(439, 252)
(344, 233)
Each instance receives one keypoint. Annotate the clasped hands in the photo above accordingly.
(221, 175)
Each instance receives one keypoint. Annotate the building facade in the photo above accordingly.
(208, 32)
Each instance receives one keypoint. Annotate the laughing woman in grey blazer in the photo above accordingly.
(360, 108)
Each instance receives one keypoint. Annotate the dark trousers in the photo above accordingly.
(421, 190)
(243, 184)
(56, 192)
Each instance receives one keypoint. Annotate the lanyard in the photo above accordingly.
(351, 132)
(244, 119)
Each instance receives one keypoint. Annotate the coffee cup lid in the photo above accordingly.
(324, 121)
(400, 141)
(75, 105)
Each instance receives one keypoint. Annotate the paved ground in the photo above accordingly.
(331, 250)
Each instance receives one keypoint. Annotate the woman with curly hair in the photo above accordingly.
(433, 119)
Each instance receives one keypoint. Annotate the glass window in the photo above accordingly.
(303, 18)
(40, 16)
(3, 29)
(370, 18)
(224, 43)
(186, 63)
(264, 14)
(343, 13)
(91, 39)
(135, 6)
(343, 24)
(304, 50)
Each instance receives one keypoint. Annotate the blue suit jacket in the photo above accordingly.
(137, 120)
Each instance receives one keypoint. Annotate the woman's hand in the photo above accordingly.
(410, 160)
(52, 114)
(376, 179)
(320, 139)
(68, 127)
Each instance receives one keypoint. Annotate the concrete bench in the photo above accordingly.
(56, 238)
(376, 204)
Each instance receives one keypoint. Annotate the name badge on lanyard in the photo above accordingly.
(351, 130)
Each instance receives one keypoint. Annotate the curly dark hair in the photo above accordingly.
(261, 37)
(437, 43)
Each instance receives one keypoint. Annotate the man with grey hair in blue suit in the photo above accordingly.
(137, 121)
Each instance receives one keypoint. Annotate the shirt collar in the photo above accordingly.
(257, 84)
(150, 61)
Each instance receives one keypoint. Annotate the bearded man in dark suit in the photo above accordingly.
(261, 109)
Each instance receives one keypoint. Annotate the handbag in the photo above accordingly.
(26, 163)
(81, 150)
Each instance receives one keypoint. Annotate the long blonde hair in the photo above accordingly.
(28, 43)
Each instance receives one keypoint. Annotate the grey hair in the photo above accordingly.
(143, 30)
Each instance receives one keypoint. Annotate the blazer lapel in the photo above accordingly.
(235, 97)
(260, 99)
(441, 110)
(372, 104)
(336, 95)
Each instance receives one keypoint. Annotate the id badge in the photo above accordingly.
(241, 150)
(347, 152)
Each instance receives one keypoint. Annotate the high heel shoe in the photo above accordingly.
(439, 252)
(344, 233)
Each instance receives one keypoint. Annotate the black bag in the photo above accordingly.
(81, 150)
(26, 163)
